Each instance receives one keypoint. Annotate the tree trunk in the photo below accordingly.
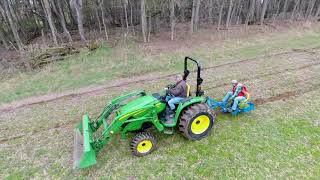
(13, 14)
(77, 5)
(4, 42)
(285, 7)
(195, 15)
(302, 7)
(210, 13)
(43, 37)
(125, 4)
(229, 14)
(220, 14)
(196, 18)
(72, 18)
(50, 21)
(143, 20)
(258, 9)
(62, 20)
(239, 12)
(13, 26)
(310, 8)
(96, 12)
(131, 19)
(103, 18)
(192, 16)
(294, 9)
(263, 11)
(277, 12)
(149, 28)
(172, 18)
(251, 12)
(317, 12)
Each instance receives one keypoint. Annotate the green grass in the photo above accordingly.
(127, 59)
(278, 140)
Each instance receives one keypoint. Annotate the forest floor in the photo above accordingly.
(280, 139)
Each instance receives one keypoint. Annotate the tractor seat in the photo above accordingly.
(188, 90)
(188, 94)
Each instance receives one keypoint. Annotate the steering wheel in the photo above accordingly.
(170, 86)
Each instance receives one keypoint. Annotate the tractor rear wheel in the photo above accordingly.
(143, 144)
(196, 122)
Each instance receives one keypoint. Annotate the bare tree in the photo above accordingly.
(229, 14)
(210, 13)
(131, 17)
(318, 11)
(4, 42)
(297, 2)
(59, 12)
(195, 15)
(125, 5)
(103, 18)
(220, 14)
(310, 8)
(196, 18)
(77, 5)
(143, 20)
(30, 17)
(50, 21)
(285, 8)
(172, 18)
(250, 13)
(13, 26)
(263, 11)
(96, 12)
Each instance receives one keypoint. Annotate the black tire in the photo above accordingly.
(196, 122)
(143, 144)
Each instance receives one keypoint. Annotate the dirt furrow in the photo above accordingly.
(263, 75)
(56, 96)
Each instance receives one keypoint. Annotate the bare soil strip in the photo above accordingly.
(285, 95)
(92, 89)
(264, 75)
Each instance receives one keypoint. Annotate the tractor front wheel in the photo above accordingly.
(196, 121)
(143, 144)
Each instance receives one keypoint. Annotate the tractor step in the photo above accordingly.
(168, 130)
(169, 119)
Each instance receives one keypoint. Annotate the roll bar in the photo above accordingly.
(199, 92)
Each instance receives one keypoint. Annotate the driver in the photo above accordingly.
(176, 94)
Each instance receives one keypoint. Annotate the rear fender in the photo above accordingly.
(182, 106)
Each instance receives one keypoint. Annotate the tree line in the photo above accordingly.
(65, 20)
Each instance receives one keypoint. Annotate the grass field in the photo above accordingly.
(280, 139)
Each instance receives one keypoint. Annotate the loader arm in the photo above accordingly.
(86, 146)
(111, 107)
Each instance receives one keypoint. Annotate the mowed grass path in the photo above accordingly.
(129, 59)
(280, 139)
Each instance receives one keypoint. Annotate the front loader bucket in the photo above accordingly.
(83, 153)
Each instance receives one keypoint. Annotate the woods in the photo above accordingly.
(66, 21)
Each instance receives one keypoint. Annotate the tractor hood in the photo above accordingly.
(140, 103)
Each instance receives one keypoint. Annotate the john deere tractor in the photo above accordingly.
(136, 112)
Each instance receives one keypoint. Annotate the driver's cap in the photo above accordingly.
(234, 81)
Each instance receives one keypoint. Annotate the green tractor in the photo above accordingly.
(138, 111)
